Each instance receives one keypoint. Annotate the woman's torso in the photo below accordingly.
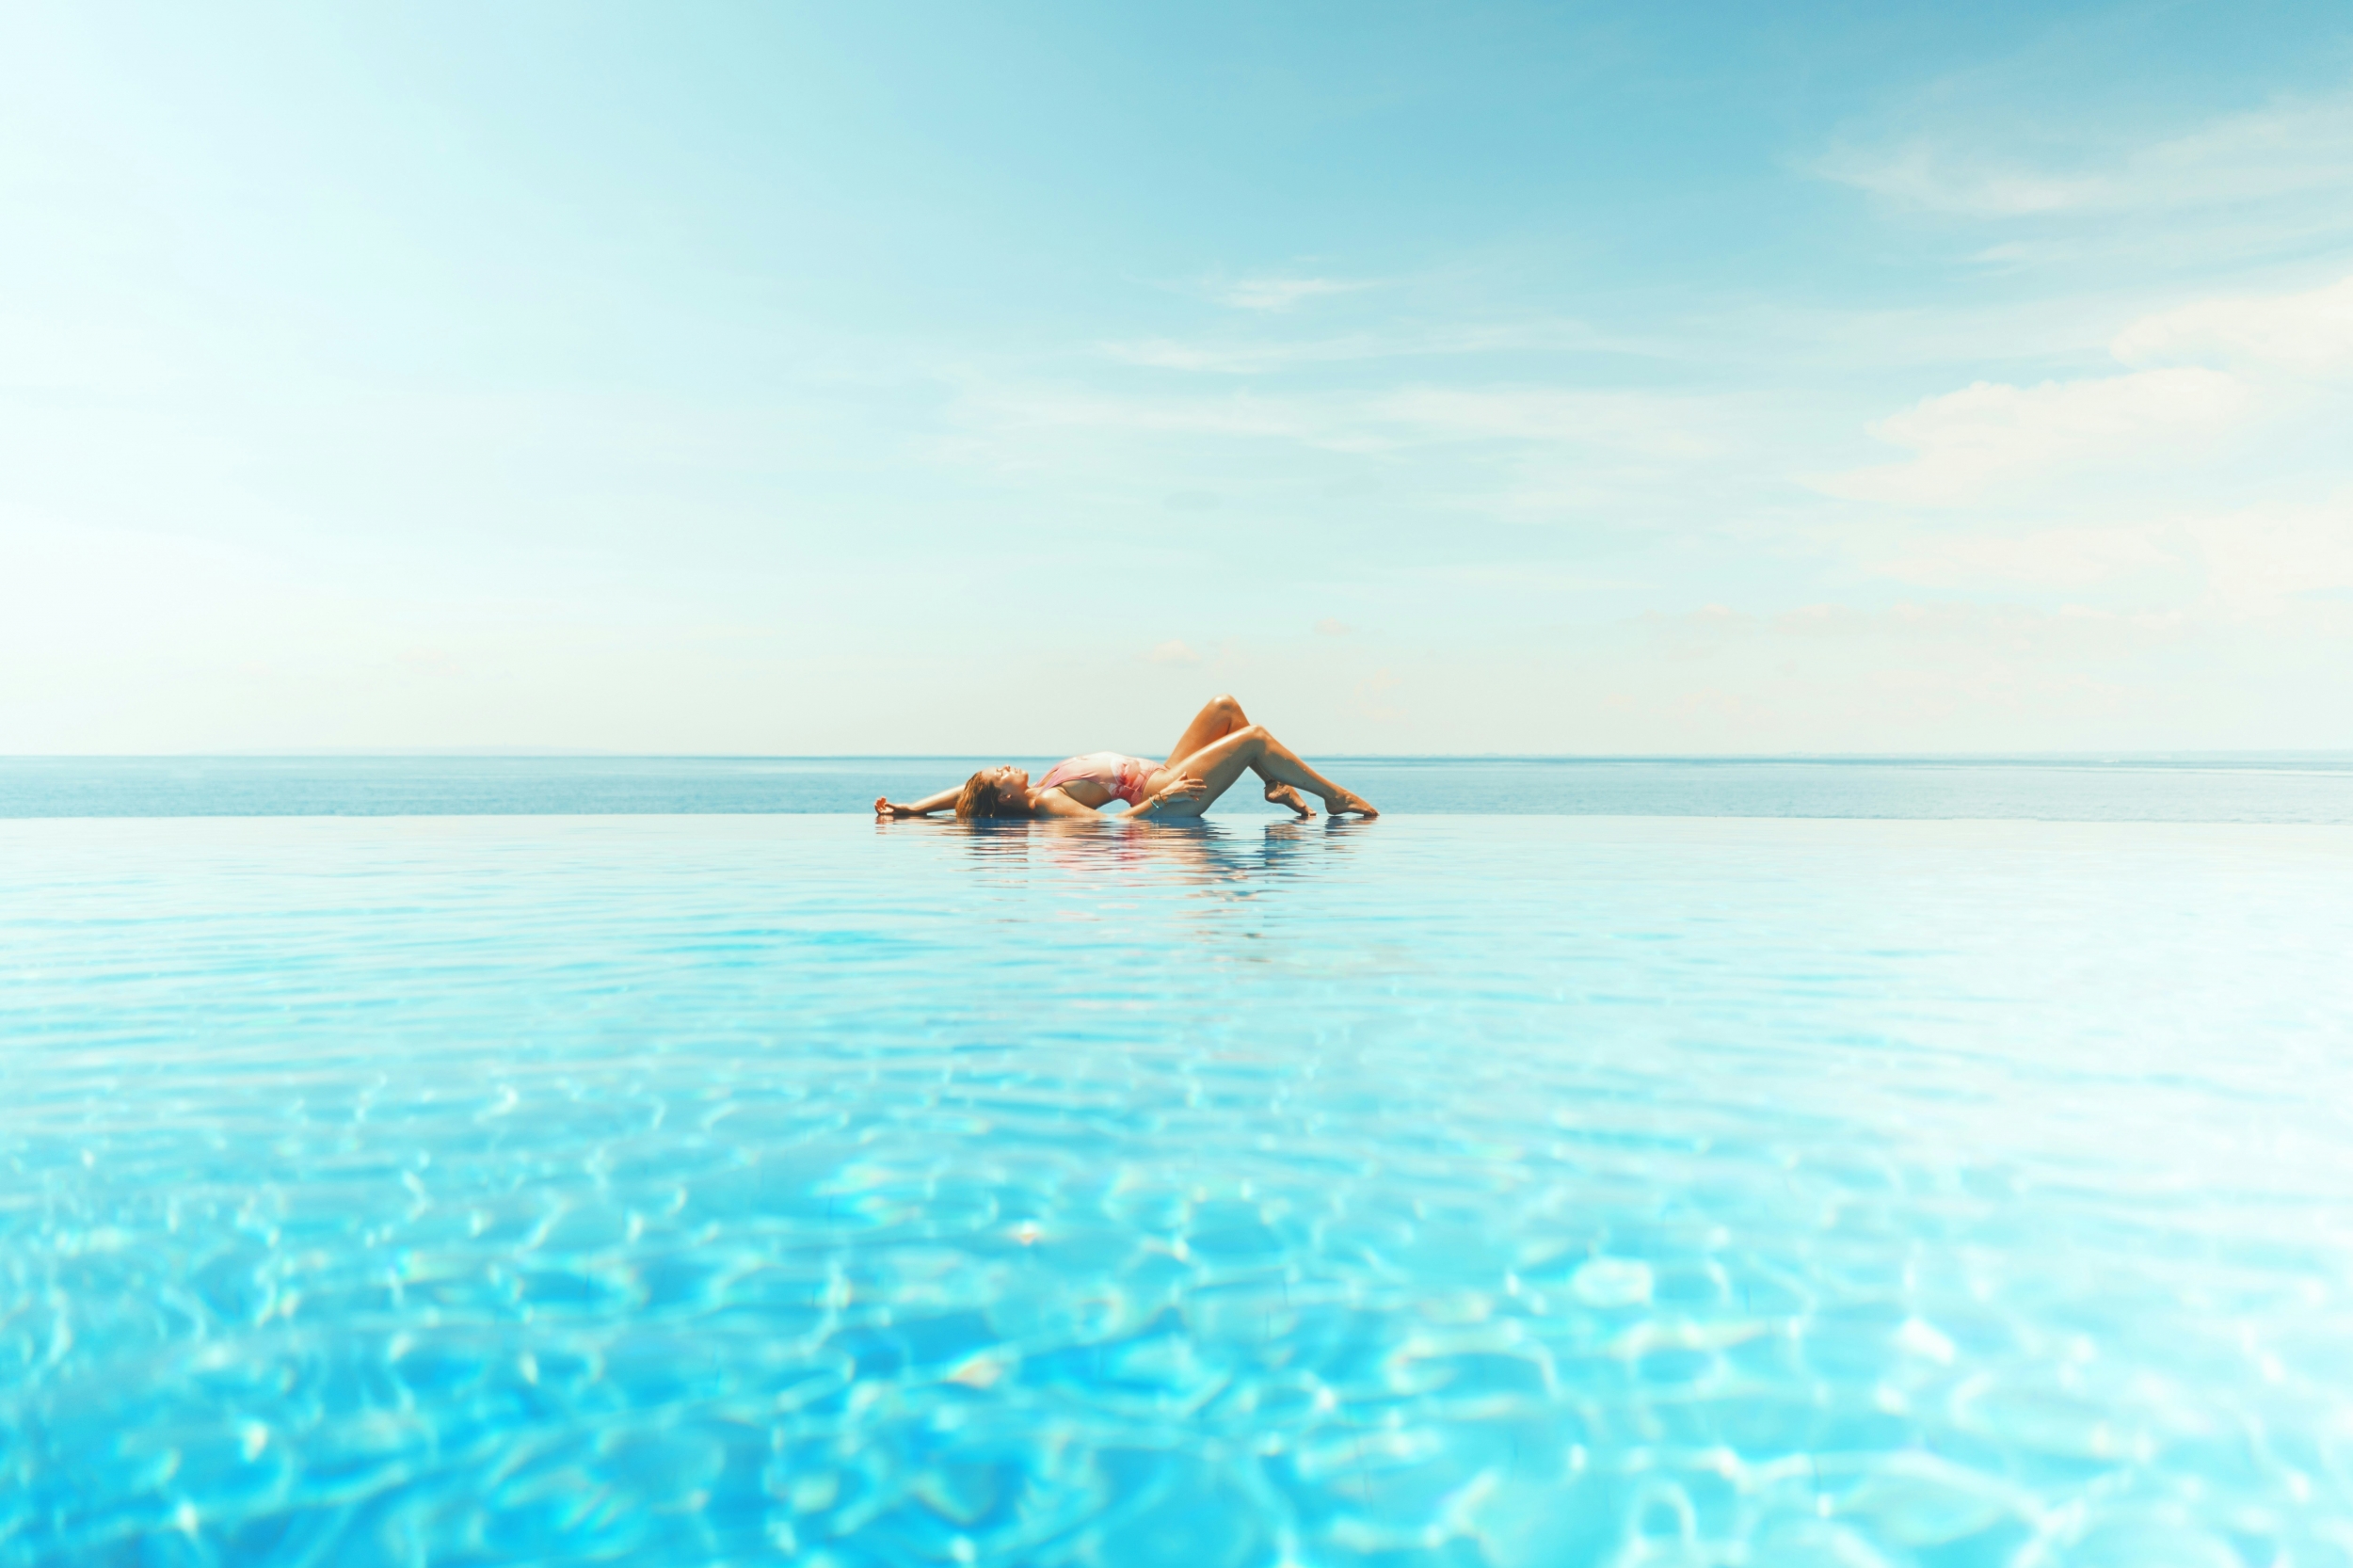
(1120, 776)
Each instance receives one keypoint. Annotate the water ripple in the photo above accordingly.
(1604, 1190)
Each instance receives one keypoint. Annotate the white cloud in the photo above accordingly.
(1259, 359)
(1309, 422)
(2310, 331)
(1641, 422)
(1372, 697)
(1168, 354)
(2053, 558)
(1332, 626)
(1173, 652)
(2260, 560)
(2254, 562)
(2289, 150)
(1278, 293)
(1922, 174)
(1991, 431)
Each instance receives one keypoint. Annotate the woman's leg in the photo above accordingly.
(1219, 717)
(1251, 749)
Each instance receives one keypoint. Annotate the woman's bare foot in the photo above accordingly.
(1350, 802)
(1283, 796)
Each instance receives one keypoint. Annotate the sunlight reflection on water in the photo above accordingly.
(1433, 1190)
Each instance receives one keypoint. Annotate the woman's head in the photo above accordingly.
(995, 793)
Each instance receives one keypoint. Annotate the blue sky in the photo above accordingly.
(1527, 379)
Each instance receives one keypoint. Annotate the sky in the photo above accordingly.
(1565, 379)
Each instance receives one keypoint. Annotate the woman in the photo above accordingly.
(1214, 750)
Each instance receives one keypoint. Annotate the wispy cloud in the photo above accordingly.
(2052, 558)
(1990, 431)
(2312, 331)
(1278, 293)
(2248, 563)
(1372, 697)
(2192, 370)
(1645, 422)
(2262, 560)
(1944, 179)
(2290, 149)
(1229, 358)
(1173, 652)
(1640, 424)
(1324, 421)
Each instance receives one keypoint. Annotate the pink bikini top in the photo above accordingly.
(1125, 777)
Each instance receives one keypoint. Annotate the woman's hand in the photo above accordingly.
(1186, 787)
(889, 811)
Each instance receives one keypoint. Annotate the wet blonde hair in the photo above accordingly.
(982, 796)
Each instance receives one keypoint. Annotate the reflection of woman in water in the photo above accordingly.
(1215, 749)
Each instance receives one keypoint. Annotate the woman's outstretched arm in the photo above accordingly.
(925, 808)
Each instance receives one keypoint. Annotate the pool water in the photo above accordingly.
(1435, 1190)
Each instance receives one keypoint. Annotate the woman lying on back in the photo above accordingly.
(1216, 748)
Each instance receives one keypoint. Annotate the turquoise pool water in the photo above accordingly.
(1442, 1190)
